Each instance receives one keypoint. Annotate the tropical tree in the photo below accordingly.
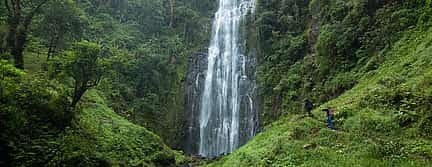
(63, 22)
(20, 14)
(84, 68)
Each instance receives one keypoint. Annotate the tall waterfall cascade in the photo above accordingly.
(228, 116)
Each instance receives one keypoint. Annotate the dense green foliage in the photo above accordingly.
(83, 82)
(319, 49)
(33, 111)
(39, 129)
(84, 68)
(145, 47)
(370, 60)
(133, 52)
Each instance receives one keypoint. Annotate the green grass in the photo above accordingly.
(383, 121)
(101, 133)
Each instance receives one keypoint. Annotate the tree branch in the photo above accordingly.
(39, 6)
(33, 12)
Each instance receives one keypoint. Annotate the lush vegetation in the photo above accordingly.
(100, 82)
(74, 71)
(383, 121)
(319, 49)
(370, 60)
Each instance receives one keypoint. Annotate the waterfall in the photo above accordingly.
(227, 116)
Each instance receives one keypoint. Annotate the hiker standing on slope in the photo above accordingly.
(330, 117)
(308, 106)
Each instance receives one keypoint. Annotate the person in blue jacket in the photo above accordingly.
(330, 117)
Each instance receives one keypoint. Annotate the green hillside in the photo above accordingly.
(99, 83)
(40, 130)
(384, 120)
(117, 140)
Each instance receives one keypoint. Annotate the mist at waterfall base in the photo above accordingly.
(221, 90)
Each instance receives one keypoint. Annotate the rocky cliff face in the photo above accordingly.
(194, 85)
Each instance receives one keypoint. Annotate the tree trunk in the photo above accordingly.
(79, 91)
(18, 50)
(18, 29)
(172, 5)
(21, 40)
(13, 26)
(51, 48)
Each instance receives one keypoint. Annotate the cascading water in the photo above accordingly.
(227, 113)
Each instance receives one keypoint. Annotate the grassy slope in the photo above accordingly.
(117, 139)
(101, 133)
(370, 129)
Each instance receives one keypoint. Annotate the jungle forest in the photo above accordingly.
(230, 83)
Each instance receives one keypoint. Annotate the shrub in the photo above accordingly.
(369, 123)
(32, 112)
(425, 127)
(340, 83)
